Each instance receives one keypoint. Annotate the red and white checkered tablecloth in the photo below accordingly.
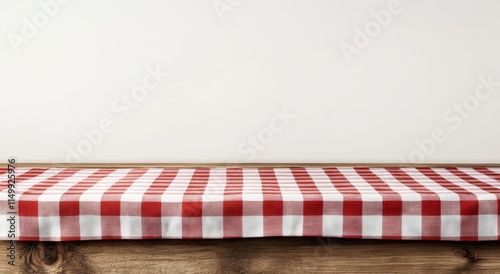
(68, 204)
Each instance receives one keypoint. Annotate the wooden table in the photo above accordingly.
(263, 255)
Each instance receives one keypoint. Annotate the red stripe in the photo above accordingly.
(486, 171)
(69, 205)
(352, 210)
(162, 182)
(392, 204)
(313, 202)
(110, 205)
(378, 184)
(32, 173)
(469, 205)
(233, 203)
(494, 176)
(431, 174)
(471, 180)
(3, 170)
(192, 205)
(151, 206)
(4, 178)
(151, 201)
(29, 207)
(29, 238)
(40, 187)
(272, 205)
(430, 210)
(70, 200)
(79, 188)
(406, 179)
(110, 202)
(431, 205)
(313, 198)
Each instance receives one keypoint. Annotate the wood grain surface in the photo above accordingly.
(267, 255)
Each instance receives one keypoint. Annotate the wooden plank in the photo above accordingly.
(212, 165)
(268, 255)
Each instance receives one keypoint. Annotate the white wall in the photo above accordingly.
(231, 69)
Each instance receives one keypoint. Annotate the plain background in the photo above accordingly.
(226, 77)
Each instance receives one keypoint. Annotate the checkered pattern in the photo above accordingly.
(63, 204)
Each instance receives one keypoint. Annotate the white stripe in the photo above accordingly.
(214, 190)
(19, 171)
(27, 184)
(54, 193)
(289, 188)
(406, 193)
(325, 185)
(411, 225)
(95, 192)
(494, 169)
(137, 189)
(4, 192)
(4, 206)
(371, 226)
(292, 224)
(252, 185)
(443, 193)
(477, 191)
(487, 228)
(367, 192)
(481, 177)
(322, 181)
(252, 226)
(175, 191)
